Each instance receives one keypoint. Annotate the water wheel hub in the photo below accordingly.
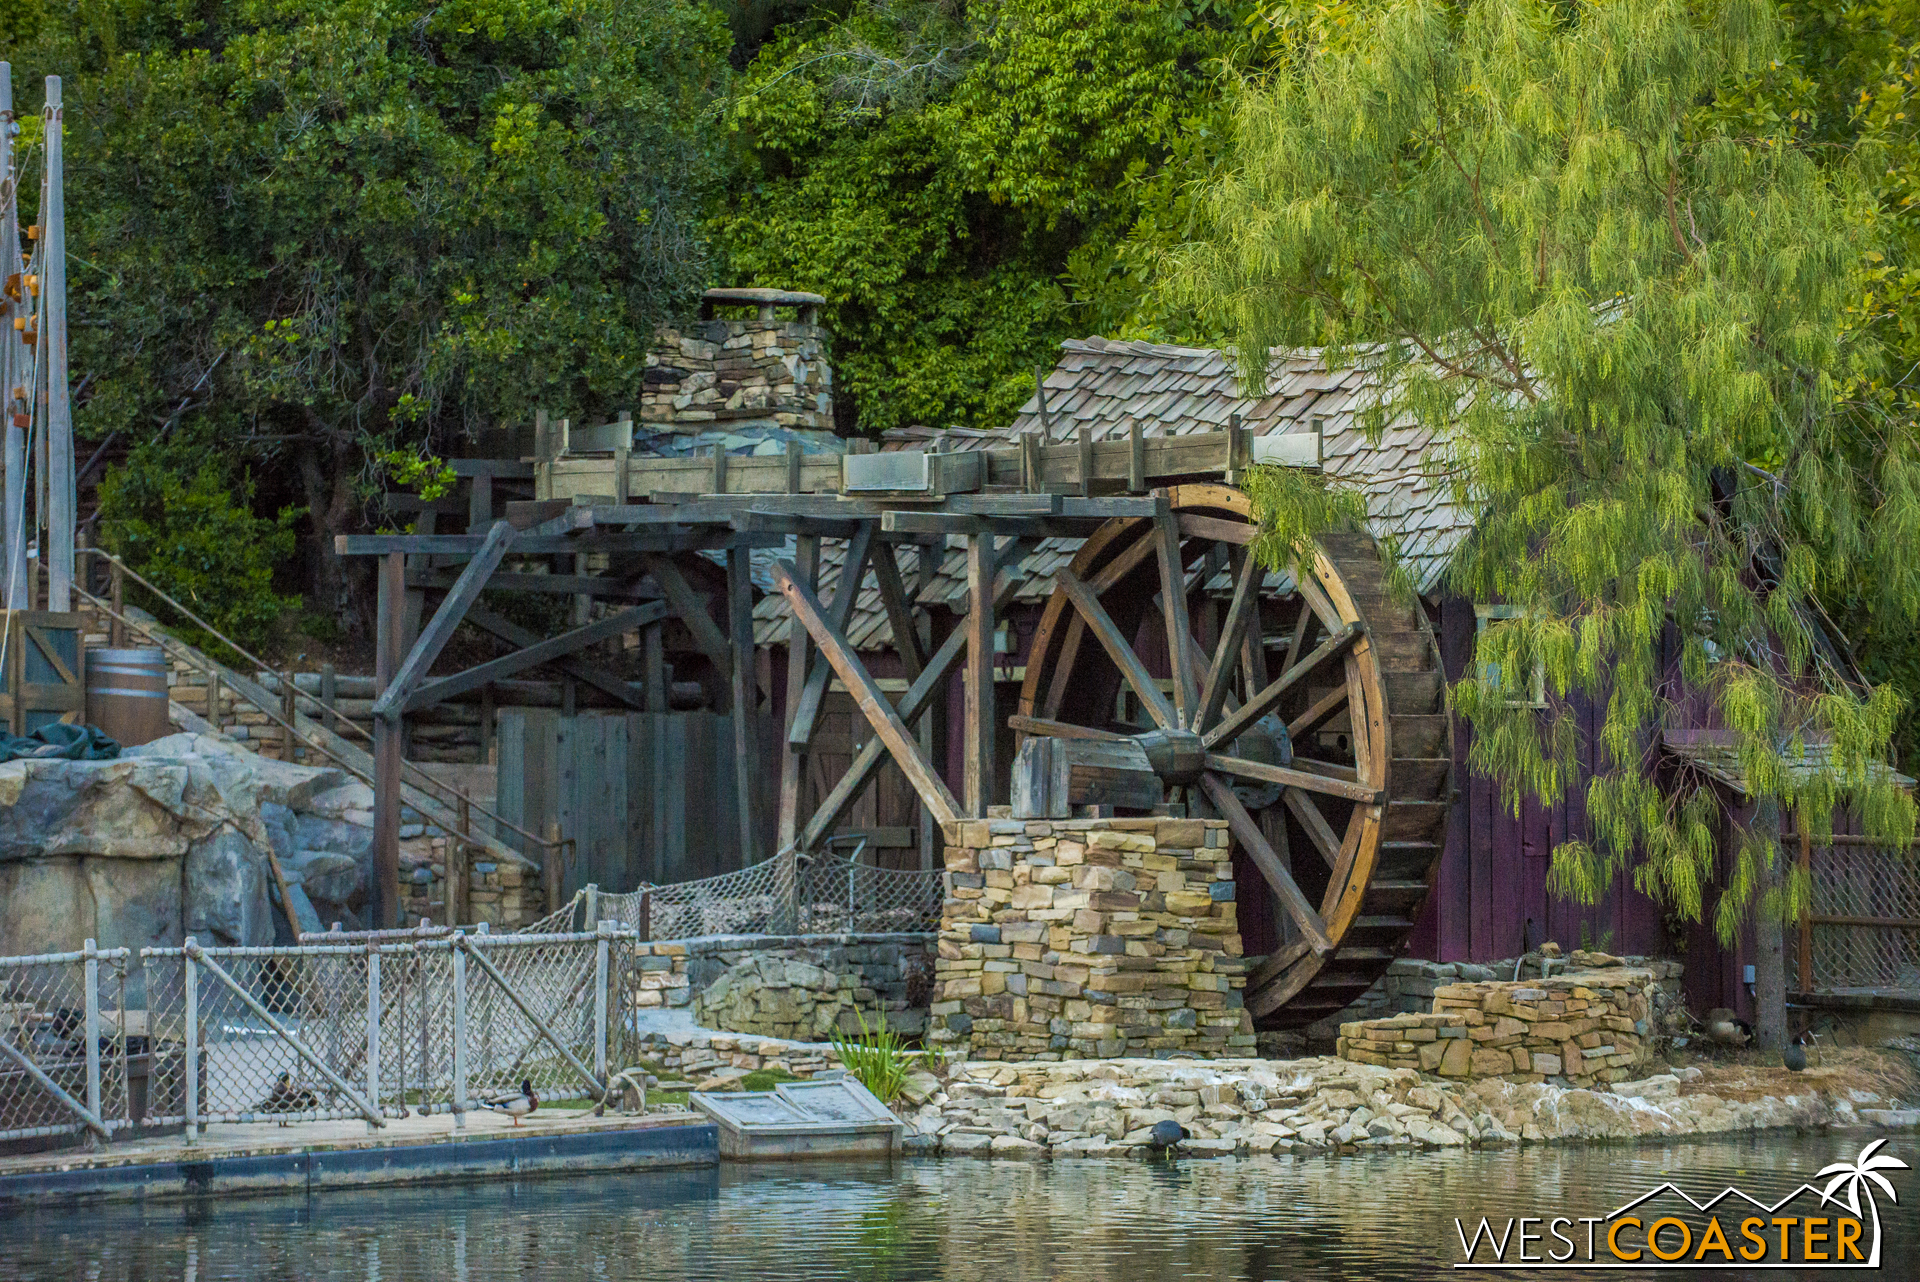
(1177, 756)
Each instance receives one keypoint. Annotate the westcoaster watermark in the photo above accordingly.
(1664, 1228)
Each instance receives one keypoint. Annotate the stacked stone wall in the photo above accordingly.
(886, 975)
(1089, 938)
(740, 370)
(1582, 1028)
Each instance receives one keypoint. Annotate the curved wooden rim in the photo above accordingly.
(1359, 850)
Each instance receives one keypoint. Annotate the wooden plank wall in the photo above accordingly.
(889, 801)
(645, 796)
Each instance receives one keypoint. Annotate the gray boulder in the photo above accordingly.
(226, 892)
(326, 874)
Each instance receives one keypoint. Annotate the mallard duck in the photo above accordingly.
(287, 1097)
(516, 1105)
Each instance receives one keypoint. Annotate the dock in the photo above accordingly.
(264, 1158)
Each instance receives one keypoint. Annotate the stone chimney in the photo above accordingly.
(756, 360)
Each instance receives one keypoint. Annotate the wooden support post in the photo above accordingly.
(289, 738)
(654, 672)
(793, 756)
(793, 467)
(981, 723)
(489, 729)
(14, 362)
(213, 701)
(746, 702)
(1136, 458)
(1033, 463)
(1239, 451)
(57, 551)
(552, 873)
(388, 747)
(1084, 439)
(719, 469)
(853, 570)
(480, 503)
(117, 598)
(329, 690)
(459, 896)
(622, 472)
(1040, 398)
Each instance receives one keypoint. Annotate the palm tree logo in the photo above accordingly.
(1861, 1176)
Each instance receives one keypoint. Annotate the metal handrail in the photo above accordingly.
(448, 792)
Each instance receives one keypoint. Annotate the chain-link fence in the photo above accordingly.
(821, 893)
(325, 1030)
(64, 1039)
(1863, 926)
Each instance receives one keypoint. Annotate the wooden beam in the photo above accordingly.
(618, 587)
(534, 655)
(873, 704)
(1226, 654)
(980, 727)
(1061, 729)
(853, 570)
(692, 611)
(1265, 773)
(572, 665)
(434, 637)
(1312, 928)
(923, 696)
(899, 607)
(1239, 533)
(1173, 610)
(1256, 707)
(1108, 634)
(807, 568)
(389, 746)
(746, 702)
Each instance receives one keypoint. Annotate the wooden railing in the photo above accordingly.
(286, 712)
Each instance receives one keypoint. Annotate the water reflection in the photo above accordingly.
(1383, 1218)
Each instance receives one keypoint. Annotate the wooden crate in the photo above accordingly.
(42, 678)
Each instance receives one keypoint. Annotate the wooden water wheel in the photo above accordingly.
(1311, 722)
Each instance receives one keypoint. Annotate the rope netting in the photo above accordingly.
(44, 1039)
(823, 893)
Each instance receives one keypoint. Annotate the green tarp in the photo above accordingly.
(70, 743)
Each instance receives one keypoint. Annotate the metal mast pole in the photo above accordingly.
(13, 364)
(60, 495)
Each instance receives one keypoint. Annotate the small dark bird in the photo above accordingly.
(1795, 1056)
(1166, 1136)
(1727, 1028)
(287, 1097)
(516, 1105)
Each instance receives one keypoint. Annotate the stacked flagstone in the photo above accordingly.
(1583, 1027)
(1063, 939)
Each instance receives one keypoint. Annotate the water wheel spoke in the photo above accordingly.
(1324, 707)
(1173, 605)
(1257, 706)
(1246, 604)
(1062, 729)
(1313, 929)
(1264, 773)
(1101, 624)
(1319, 831)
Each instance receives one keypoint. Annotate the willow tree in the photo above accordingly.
(1621, 317)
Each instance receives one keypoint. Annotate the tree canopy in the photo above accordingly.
(1634, 323)
(315, 232)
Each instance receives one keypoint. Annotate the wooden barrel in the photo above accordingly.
(127, 694)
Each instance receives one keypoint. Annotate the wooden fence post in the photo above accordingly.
(116, 598)
(1806, 912)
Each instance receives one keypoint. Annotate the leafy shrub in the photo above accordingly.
(182, 519)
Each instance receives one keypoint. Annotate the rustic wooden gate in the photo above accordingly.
(646, 797)
(41, 680)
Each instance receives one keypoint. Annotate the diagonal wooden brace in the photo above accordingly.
(434, 637)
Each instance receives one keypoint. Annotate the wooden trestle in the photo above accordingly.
(1261, 664)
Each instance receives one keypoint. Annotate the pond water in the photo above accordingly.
(1378, 1217)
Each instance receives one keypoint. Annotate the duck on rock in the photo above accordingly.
(517, 1105)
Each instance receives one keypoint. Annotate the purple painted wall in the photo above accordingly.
(1490, 897)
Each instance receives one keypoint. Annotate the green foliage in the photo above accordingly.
(1627, 320)
(177, 515)
(429, 477)
(765, 1079)
(1294, 506)
(348, 226)
(876, 1056)
(969, 186)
